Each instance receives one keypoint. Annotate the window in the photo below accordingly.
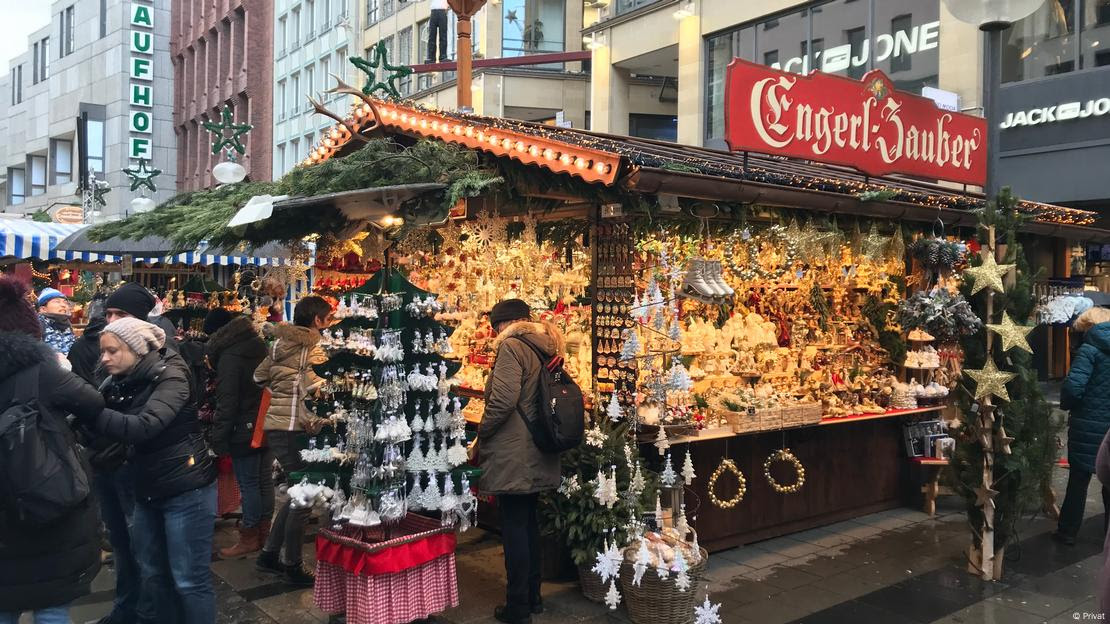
(17, 186)
(898, 27)
(61, 161)
(771, 57)
(624, 6)
(532, 26)
(280, 160)
(1095, 38)
(310, 19)
(17, 84)
(37, 164)
(1043, 44)
(855, 38)
(295, 96)
(371, 11)
(281, 100)
(103, 18)
(67, 28)
(388, 41)
(295, 150)
(295, 37)
(325, 74)
(661, 127)
(387, 8)
(423, 81)
(40, 53)
(404, 58)
(95, 151)
(310, 80)
(281, 35)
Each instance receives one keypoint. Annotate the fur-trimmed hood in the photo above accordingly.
(19, 351)
(545, 336)
(237, 330)
(303, 336)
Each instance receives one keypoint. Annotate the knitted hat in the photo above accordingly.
(509, 310)
(139, 336)
(132, 299)
(46, 294)
(16, 312)
(216, 319)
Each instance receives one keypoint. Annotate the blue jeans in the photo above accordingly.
(53, 615)
(173, 545)
(115, 491)
(254, 473)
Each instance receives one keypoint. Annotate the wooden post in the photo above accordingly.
(464, 10)
(986, 426)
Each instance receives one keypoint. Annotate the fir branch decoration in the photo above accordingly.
(877, 195)
(940, 313)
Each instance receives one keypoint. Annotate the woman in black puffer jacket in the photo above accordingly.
(149, 406)
(43, 568)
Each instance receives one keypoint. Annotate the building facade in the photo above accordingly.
(312, 40)
(109, 60)
(222, 54)
(551, 93)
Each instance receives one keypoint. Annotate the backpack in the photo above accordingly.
(561, 421)
(42, 477)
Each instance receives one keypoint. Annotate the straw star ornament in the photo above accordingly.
(987, 274)
(989, 381)
(1012, 334)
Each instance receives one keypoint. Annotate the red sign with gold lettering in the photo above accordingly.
(866, 125)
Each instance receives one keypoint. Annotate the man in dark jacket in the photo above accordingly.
(514, 469)
(84, 355)
(235, 349)
(43, 568)
(1086, 392)
(133, 300)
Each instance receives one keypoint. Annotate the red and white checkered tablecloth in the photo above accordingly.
(396, 598)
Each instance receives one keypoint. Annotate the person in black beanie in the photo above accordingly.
(133, 300)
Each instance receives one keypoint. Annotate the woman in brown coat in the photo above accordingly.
(513, 468)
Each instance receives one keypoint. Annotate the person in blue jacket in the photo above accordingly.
(1086, 393)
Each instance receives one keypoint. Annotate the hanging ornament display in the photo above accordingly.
(661, 441)
(608, 563)
(753, 268)
(1012, 334)
(606, 488)
(784, 455)
(741, 487)
(990, 381)
(668, 477)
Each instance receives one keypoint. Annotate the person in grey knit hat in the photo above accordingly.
(149, 405)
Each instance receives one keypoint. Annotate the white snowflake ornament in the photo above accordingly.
(707, 613)
(608, 564)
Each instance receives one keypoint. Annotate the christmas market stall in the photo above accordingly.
(769, 343)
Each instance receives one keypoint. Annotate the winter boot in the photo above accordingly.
(248, 543)
(718, 278)
(263, 532)
(298, 574)
(268, 562)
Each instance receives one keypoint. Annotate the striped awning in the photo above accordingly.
(24, 239)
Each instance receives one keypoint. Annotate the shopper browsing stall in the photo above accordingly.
(513, 467)
(287, 373)
(148, 406)
(235, 349)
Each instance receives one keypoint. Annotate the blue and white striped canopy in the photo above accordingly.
(24, 239)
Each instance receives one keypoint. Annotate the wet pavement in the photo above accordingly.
(890, 567)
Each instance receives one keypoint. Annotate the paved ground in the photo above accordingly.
(890, 567)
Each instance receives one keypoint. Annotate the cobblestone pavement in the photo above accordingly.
(890, 567)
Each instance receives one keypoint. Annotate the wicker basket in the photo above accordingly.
(801, 414)
(741, 422)
(658, 601)
(770, 418)
(592, 587)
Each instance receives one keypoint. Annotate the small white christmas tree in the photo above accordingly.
(613, 410)
(661, 441)
(688, 474)
(613, 598)
(668, 477)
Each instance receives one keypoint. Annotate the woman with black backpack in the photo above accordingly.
(43, 566)
(149, 406)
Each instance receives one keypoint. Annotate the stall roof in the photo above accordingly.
(651, 166)
(24, 239)
(157, 250)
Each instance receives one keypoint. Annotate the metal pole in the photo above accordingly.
(992, 81)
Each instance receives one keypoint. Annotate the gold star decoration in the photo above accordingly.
(1012, 334)
(874, 246)
(984, 495)
(990, 381)
(987, 274)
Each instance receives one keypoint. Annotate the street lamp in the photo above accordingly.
(992, 17)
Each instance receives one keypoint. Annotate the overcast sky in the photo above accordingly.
(20, 18)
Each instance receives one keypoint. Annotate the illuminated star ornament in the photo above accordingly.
(390, 73)
(1012, 334)
(143, 176)
(987, 274)
(220, 132)
(990, 381)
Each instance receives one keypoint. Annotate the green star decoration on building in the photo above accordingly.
(143, 177)
(379, 59)
(220, 132)
(98, 193)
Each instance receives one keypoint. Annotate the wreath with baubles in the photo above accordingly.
(752, 244)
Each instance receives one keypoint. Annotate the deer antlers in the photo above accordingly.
(319, 108)
(345, 89)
